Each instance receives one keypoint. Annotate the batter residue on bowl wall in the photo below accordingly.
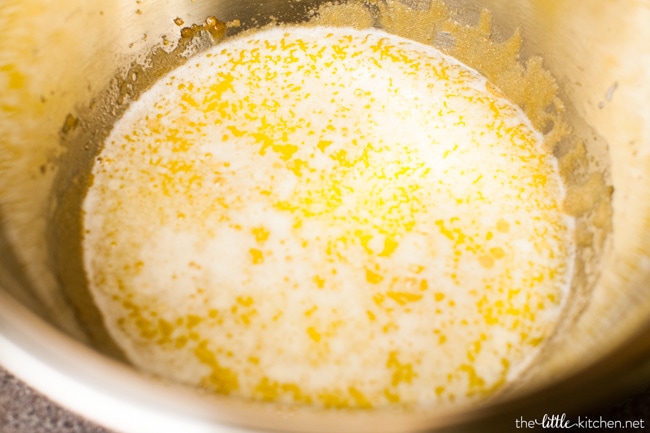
(329, 216)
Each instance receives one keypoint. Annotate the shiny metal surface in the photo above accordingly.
(66, 72)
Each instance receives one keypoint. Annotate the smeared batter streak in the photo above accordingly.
(327, 216)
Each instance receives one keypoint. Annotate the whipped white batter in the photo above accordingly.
(327, 216)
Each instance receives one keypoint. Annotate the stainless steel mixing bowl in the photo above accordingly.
(69, 68)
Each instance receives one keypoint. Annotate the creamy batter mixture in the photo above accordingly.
(327, 216)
